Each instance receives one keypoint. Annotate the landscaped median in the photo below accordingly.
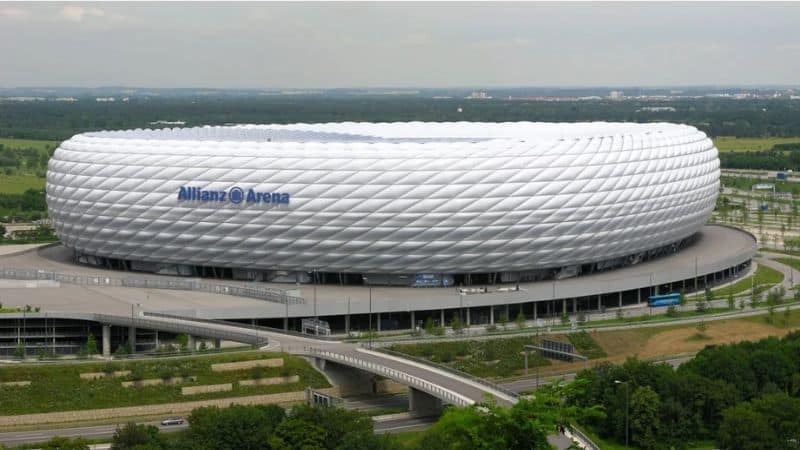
(68, 388)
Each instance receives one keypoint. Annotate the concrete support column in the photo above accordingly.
(423, 404)
(491, 315)
(106, 341)
(638, 293)
(535, 311)
(563, 306)
(217, 343)
(132, 338)
(191, 343)
(467, 321)
(508, 319)
(347, 323)
(441, 317)
(638, 296)
(413, 320)
(574, 306)
(286, 322)
(378, 326)
(157, 343)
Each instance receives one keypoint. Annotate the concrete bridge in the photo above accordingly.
(429, 386)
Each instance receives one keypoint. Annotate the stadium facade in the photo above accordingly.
(420, 204)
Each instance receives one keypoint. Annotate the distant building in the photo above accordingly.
(479, 95)
(616, 95)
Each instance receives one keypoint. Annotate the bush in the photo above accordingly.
(672, 311)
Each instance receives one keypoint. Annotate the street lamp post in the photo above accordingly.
(626, 409)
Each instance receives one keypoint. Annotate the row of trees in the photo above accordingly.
(738, 395)
(269, 427)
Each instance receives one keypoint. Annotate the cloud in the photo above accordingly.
(13, 13)
(77, 13)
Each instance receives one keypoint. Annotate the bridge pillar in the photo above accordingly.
(132, 338)
(574, 306)
(535, 311)
(491, 314)
(413, 320)
(106, 341)
(599, 302)
(379, 322)
(441, 318)
(467, 322)
(423, 404)
(286, 323)
(217, 343)
(638, 297)
(191, 343)
(563, 306)
(347, 323)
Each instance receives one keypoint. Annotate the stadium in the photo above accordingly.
(411, 204)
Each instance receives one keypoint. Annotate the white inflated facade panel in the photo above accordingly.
(391, 198)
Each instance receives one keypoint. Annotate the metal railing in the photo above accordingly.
(243, 325)
(450, 370)
(397, 375)
(256, 292)
(588, 444)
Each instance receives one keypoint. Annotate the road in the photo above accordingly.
(391, 425)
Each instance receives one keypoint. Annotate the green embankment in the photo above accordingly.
(60, 388)
(734, 144)
(499, 357)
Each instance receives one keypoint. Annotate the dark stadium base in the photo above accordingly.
(381, 279)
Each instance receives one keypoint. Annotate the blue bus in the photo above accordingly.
(664, 300)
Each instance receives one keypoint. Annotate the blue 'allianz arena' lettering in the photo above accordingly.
(234, 195)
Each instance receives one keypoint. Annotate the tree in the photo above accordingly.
(701, 306)
(644, 417)
(516, 428)
(520, 319)
(91, 345)
(745, 429)
(702, 326)
(456, 324)
(429, 325)
(183, 341)
(133, 435)
(64, 443)
(19, 351)
(235, 427)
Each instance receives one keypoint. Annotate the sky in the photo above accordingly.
(329, 45)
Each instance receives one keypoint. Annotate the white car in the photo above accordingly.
(172, 421)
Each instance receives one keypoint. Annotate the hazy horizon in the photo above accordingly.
(398, 45)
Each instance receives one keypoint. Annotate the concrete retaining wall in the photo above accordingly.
(98, 375)
(222, 367)
(270, 381)
(153, 410)
(191, 390)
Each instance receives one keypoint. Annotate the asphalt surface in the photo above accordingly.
(392, 425)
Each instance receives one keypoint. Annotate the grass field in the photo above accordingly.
(60, 388)
(734, 144)
(17, 184)
(765, 278)
(28, 143)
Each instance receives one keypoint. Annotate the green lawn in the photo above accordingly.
(734, 144)
(791, 262)
(19, 183)
(59, 387)
(765, 277)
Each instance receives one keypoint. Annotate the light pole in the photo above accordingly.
(626, 409)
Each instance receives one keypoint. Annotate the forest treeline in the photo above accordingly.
(715, 116)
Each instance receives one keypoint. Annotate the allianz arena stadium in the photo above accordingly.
(415, 204)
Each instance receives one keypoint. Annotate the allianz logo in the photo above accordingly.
(235, 195)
